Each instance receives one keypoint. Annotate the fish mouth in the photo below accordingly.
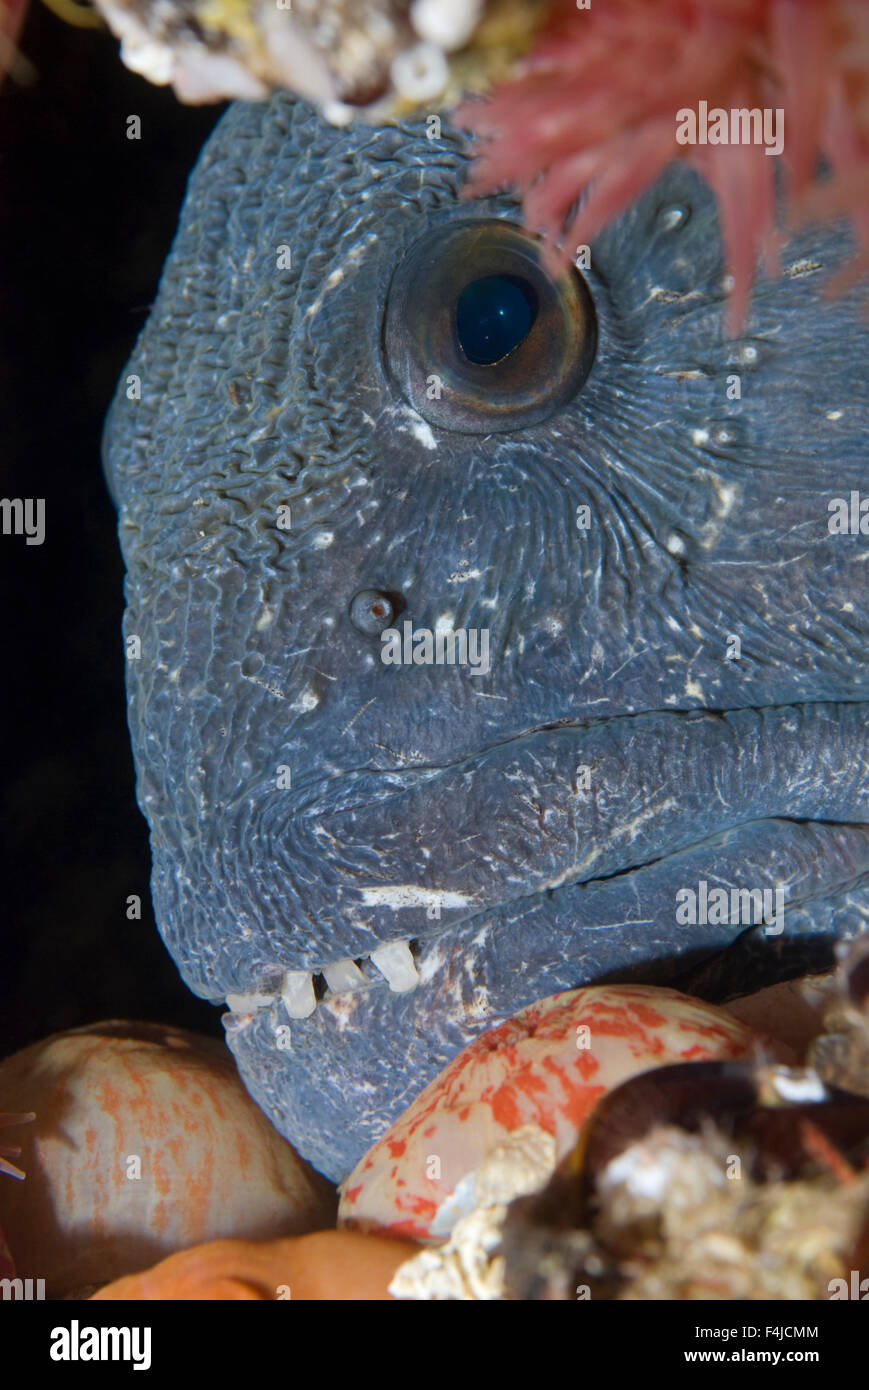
(580, 839)
(571, 886)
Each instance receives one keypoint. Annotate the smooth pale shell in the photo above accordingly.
(211, 1164)
(539, 1068)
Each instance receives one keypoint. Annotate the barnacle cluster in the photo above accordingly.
(379, 58)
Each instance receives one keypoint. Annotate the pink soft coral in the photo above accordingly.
(593, 114)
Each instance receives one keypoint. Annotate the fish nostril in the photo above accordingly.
(371, 611)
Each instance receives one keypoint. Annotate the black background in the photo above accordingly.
(86, 219)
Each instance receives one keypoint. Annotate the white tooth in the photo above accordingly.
(297, 992)
(397, 964)
(248, 1003)
(343, 975)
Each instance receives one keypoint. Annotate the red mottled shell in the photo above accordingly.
(540, 1067)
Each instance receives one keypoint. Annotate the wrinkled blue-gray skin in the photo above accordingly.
(418, 788)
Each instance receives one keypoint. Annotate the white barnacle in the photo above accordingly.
(446, 23)
(419, 72)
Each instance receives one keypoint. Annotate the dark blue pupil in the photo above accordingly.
(493, 315)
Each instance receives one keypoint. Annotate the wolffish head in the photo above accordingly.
(476, 618)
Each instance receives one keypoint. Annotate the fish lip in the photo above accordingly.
(364, 790)
(825, 890)
(420, 772)
(426, 945)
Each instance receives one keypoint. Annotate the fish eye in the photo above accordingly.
(493, 316)
(479, 337)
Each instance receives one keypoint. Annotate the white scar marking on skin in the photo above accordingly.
(631, 829)
(338, 275)
(728, 494)
(264, 685)
(431, 963)
(462, 576)
(410, 895)
(342, 1007)
(617, 926)
(417, 427)
(358, 713)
